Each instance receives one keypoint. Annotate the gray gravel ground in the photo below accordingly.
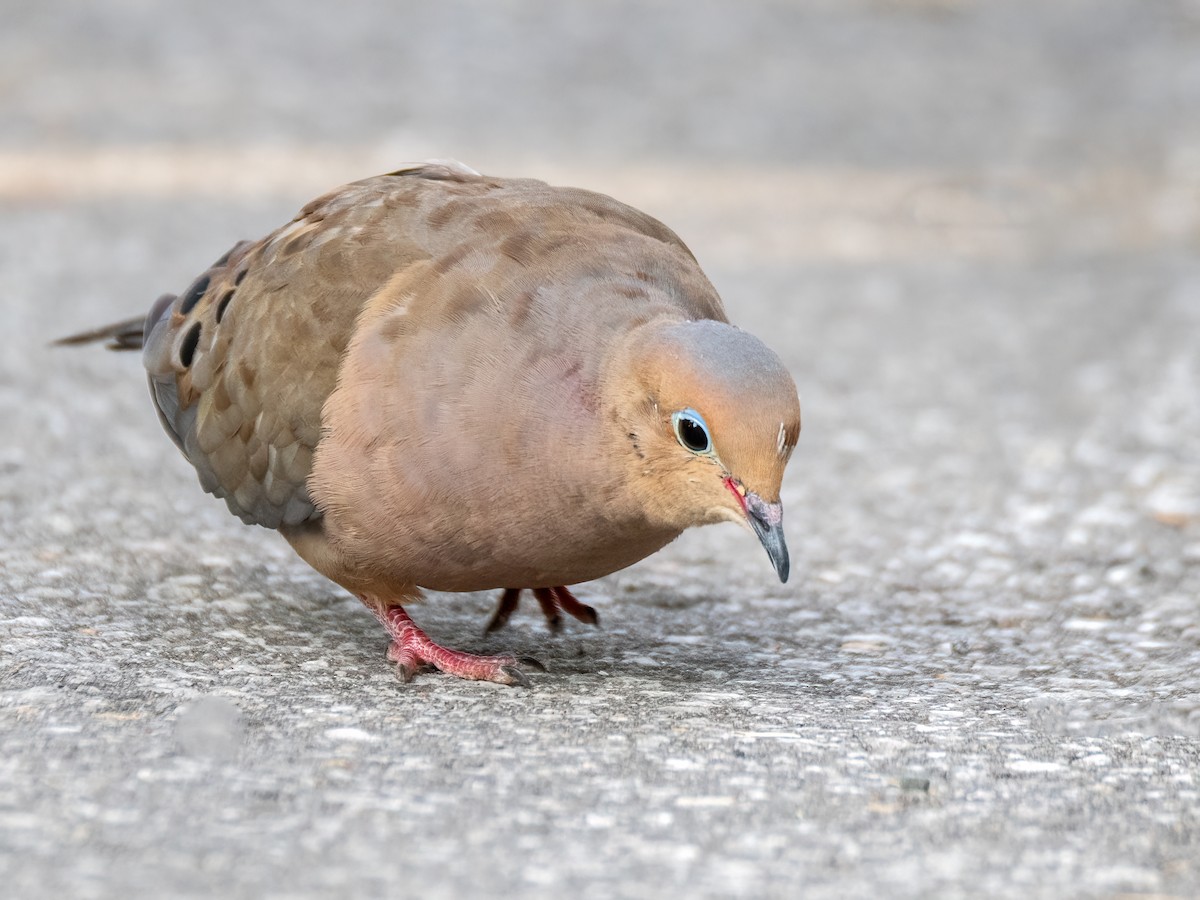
(971, 230)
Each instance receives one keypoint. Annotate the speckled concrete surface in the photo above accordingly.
(971, 229)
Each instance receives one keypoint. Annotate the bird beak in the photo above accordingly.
(767, 521)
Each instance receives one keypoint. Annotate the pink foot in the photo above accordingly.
(554, 601)
(413, 651)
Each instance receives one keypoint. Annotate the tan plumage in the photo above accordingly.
(437, 379)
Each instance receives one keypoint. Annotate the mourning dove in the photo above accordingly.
(436, 379)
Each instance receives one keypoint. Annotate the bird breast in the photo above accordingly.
(464, 451)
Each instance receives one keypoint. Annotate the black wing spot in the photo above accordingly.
(223, 304)
(193, 295)
(187, 347)
(240, 277)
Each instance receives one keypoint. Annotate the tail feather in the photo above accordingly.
(128, 334)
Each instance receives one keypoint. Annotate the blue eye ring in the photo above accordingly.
(692, 432)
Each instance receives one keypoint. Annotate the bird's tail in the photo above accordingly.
(128, 334)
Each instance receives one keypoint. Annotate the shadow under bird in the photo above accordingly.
(438, 379)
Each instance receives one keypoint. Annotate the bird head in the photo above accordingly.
(711, 417)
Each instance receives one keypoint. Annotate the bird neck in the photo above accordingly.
(631, 421)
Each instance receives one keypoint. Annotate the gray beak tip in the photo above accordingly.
(767, 521)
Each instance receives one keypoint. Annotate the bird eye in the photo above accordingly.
(691, 431)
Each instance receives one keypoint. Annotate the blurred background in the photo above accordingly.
(971, 229)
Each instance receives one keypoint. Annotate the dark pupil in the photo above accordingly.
(692, 435)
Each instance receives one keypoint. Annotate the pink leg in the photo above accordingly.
(509, 601)
(413, 651)
(548, 603)
(571, 606)
(553, 601)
